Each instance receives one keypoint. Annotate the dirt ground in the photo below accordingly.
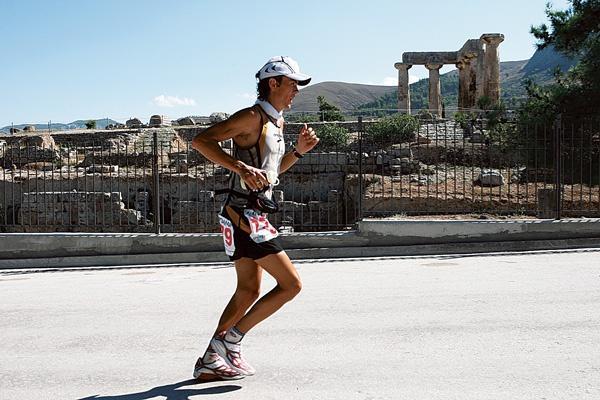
(455, 196)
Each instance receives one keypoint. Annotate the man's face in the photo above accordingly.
(283, 94)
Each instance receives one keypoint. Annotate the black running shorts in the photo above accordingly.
(240, 244)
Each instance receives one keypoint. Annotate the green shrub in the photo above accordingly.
(91, 124)
(425, 115)
(396, 129)
(465, 119)
(332, 136)
(505, 135)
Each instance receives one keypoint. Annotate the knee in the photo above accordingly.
(293, 288)
(247, 294)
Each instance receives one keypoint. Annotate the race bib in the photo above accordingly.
(260, 227)
(227, 231)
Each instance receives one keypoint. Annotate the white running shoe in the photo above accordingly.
(231, 353)
(215, 368)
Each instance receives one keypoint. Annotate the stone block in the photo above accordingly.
(490, 177)
(546, 200)
(75, 208)
(142, 202)
(195, 213)
(334, 159)
(132, 159)
(21, 156)
(204, 196)
(102, 169)
(398, 151)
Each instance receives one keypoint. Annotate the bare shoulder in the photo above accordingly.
(246, 125)
(241, 127)
(246, 117)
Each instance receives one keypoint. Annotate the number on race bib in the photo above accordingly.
(227, 231)
(261, 228)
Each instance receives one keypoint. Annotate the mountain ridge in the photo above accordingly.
(539, 68)
(58, 126)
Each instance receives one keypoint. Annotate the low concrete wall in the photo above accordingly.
(374, 238)
(398, 232)
(50, 245)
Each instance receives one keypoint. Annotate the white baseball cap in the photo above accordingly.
(283, 66)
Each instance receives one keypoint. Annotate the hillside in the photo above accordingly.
(350, 96)
(347, 96)
(79, 124)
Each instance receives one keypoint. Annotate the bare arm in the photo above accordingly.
(287, 161)
(242, 127)
(307, 140)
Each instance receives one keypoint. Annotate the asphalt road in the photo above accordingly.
(518, 326)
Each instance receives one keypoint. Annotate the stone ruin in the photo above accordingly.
(103, 180)
(133, 123)
(478, 73)
(44, 210)
(159, 121)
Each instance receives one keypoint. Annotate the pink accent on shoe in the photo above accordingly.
(231, 353)
(217, 368)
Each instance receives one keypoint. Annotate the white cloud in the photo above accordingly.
(173, 101)
(393, 80)
(250, 96)
(413, 79)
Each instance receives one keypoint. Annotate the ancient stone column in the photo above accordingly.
(463, 82)
(470, 80)
(492, 65)
(478, 67)
(435, 97)
(473, 93)
(403, 87)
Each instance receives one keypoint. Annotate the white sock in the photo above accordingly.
(233, 335)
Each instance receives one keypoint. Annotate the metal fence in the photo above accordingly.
(540, 170)
(151, 180)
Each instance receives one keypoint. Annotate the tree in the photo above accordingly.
(395, 129)
(328, 111)
(332, 137)
(91, 124)
(574, 95)
(576, 33)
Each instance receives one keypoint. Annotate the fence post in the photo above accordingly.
(558, 165)
(360, 169)
(156, 188)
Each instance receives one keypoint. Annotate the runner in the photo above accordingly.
(250, 240)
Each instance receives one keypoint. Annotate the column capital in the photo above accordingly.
(463, 62)
(493, 39)
(469, 55)
(432, 66)
(400, 66)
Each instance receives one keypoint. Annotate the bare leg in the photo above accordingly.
(249, 275)
(280, 267)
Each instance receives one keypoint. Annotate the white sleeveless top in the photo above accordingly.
(265, 154)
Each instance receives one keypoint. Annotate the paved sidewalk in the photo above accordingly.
(512, 326)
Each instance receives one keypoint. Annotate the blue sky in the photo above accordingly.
(81, 59)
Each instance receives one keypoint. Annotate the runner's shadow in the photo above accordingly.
(171, 392)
